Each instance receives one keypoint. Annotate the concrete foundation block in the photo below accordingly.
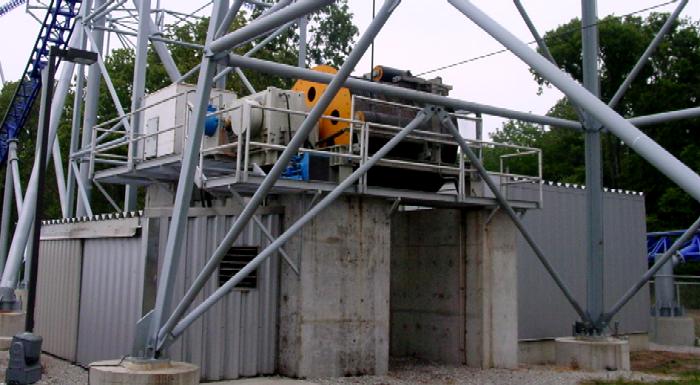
(593, 354)
(10, 324)
(675, 331)
(115, 372)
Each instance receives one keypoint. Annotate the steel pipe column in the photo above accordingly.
(183, 195)
(595, 258)
(92, 94)
(138, 90)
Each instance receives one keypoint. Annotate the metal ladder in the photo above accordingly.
(55, 30)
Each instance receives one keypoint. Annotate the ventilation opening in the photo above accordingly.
(234, 260)
(311, 94)
(335, 114)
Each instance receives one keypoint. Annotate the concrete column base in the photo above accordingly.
(677, 331)
(116, 372)
(593, 354)
(10, 324)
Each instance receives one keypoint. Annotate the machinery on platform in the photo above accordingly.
(266, 121)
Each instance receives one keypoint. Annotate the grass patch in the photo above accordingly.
(684, 366)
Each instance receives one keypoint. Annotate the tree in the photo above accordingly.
(668, 82)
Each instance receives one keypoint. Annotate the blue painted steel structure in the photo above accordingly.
(55, 30)
(658, 243)
(10, 5)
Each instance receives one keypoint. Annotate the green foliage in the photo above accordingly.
(669, 82)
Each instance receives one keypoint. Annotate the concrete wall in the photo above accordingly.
(454, 287)
(334, 318)
(427, 285)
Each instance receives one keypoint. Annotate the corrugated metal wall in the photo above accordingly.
(238, 337)
(559, 229)
(58, 296)
(111, 298)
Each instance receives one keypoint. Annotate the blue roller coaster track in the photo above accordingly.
(55, 30)
(658, 243)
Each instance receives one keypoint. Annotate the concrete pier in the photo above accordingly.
(593, 354)
(11, 323)
(334, 318)
(116, 372)
(675, 331)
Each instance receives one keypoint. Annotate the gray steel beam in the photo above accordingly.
(13, 160)
(229, 18)
(92, 94)
(263, 24)
(595, 257)
(342, 187)
(26, 216)
(220, 83)
(503, 203)
(75, 122)
(385, 89)
(253, 50)
(540, 42)
(7, 202)
(183, 195)
(665, 117)
(647, 54)
(60, 176)
(138, 90)
(161, 49)
(650, 273)
(674, 169)
(303, 29)
(292, 147)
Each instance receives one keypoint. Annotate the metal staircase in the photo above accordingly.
(55, 30)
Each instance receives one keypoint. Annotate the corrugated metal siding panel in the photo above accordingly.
(111, 298)
(237, 337)
(58, 296)
(559, 229)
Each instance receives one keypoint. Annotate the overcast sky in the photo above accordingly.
(421, 35)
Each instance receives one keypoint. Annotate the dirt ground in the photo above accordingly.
(664, 362)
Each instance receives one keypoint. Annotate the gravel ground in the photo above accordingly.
(404, 372)
(416, 373)
(55, 371)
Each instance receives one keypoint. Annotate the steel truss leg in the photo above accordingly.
(138, 91)
(150, 28)
(91, 102)
(166, 280)
(647, 54)
(422, 117)
(503, 202)
(656, 155)
(266, 232)
(540, 42)
(6, 214)
(291, 149)
(653, 270)
(252, 51)
(10, 275)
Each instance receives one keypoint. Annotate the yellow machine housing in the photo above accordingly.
(330, 132)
